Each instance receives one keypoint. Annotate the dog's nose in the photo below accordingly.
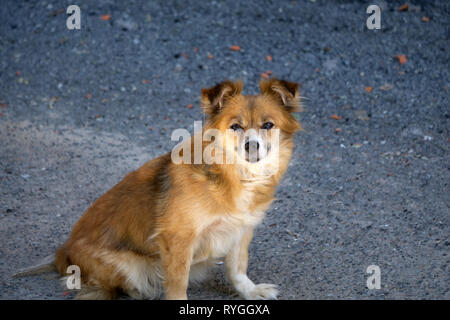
(251, 144)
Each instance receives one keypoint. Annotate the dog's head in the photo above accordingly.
(256, 128)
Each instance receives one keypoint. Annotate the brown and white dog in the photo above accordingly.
(165, 223)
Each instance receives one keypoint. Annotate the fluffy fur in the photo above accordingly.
(164, 223)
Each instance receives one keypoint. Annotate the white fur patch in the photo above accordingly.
(143, 276)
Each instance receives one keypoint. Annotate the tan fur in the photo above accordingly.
(165, 223)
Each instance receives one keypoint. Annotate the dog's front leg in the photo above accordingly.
(176, 258)
(236, 264)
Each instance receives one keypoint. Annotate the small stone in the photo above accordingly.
(178, 67)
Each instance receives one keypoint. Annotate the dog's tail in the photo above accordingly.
(46, 265)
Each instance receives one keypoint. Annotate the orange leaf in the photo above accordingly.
(401, 58)
(105, 17)
(336, 117)
(235, 48)
(368, 89)
(403, 7)
(88, 96)
(189, 106)
(265, 75)
(269, 58)
(425, 19)
(210, 56)
(146, 81)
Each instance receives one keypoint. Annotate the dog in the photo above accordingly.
(164, 224)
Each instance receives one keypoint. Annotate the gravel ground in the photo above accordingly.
(368, 181)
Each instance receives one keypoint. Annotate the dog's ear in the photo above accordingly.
(214, 99)
(285, 92)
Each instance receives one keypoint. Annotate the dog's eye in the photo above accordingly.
(236, 127)
(267, 125)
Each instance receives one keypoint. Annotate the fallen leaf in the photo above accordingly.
(403, 7)
(195, 49)
(269, 58)
(146, 81)
(88, 96)
(17, 73)
(105, 17)
(425, 19)
(54, 13)
(337, 130)
(265, 75)
(336, 117)
(104, 100)
(210, 56)
(316, 69)
(326, 49)
(401, 58)
(368, 89)
(235, 48)
(189, 106)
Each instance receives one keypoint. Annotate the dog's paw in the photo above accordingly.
(262, 291)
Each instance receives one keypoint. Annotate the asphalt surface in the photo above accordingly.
(368, 181)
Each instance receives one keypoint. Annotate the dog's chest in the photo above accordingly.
(227, 229)
(217, 239)
(255, 196)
